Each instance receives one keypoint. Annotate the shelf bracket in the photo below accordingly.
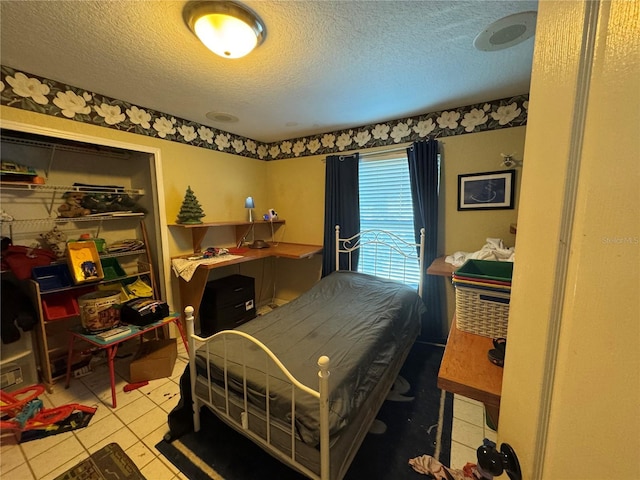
(197, 234)
(53, 199)
(53, 153)
(46, 175)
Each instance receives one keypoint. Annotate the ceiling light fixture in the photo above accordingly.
(507, 32)
(226, 28)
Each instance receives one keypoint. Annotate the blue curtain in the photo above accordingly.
(424, 174)
(341, 207)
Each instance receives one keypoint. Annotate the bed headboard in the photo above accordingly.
(387, 244)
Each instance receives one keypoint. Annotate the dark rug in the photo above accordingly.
(417, 416)
(108, 463)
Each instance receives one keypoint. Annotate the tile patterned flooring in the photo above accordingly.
(140, 421)
(469, 429)
(137, 424)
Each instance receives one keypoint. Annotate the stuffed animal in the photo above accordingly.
(5, 217)
(73, 205)
(56, 241)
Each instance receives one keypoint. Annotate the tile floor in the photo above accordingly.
(469, 429)
(137, 424)
(140, 421)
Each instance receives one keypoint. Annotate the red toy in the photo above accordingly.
(22, 411)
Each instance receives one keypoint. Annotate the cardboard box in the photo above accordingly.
(154, 359)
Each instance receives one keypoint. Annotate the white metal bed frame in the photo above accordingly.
(385, 240)
(381, 239)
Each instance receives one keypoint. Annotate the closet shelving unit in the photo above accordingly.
(51, 336)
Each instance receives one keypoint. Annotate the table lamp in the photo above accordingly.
(249, 205)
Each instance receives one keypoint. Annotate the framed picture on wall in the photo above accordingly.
(486, 191)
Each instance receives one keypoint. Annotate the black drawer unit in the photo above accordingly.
(227, 302)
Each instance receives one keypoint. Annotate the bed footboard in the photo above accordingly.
(243, 426)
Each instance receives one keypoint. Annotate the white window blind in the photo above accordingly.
(385, 204)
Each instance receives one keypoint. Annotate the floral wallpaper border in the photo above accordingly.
(31, 92)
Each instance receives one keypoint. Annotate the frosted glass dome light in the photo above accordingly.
(226, 28)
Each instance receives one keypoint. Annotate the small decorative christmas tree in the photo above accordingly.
(190, 211)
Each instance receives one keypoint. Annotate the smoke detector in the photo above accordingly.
(221, 117)
(506, 32)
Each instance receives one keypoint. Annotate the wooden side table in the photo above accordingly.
(466, 370)
(465, 367)
(111, 346)
(441, 268)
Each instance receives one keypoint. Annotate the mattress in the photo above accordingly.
(359, 321)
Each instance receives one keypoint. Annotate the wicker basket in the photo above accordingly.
(482, 312)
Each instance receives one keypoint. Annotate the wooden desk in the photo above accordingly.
(466, 370)
(191, 292)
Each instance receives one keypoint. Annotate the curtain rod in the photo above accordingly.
(380, 152)
(389, 150)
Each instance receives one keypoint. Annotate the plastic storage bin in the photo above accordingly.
(119, 288)
(483, 291)
(111, 268)
(13, 349)
(101, 245)
(18, 365)
(58, 306)
(52, 277)
(486, 270)
(84, 262)
(20, 373)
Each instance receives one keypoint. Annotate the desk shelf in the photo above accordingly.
(198, 231)
(223, 224)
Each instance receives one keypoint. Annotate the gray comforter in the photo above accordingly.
(357, 320)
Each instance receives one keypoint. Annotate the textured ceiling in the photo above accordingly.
(324, 66)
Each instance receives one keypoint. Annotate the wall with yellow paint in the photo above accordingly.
(295, 189)
(571, 387)
(475, 153)
(220, 181)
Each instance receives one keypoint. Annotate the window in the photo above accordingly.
(385, 204)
